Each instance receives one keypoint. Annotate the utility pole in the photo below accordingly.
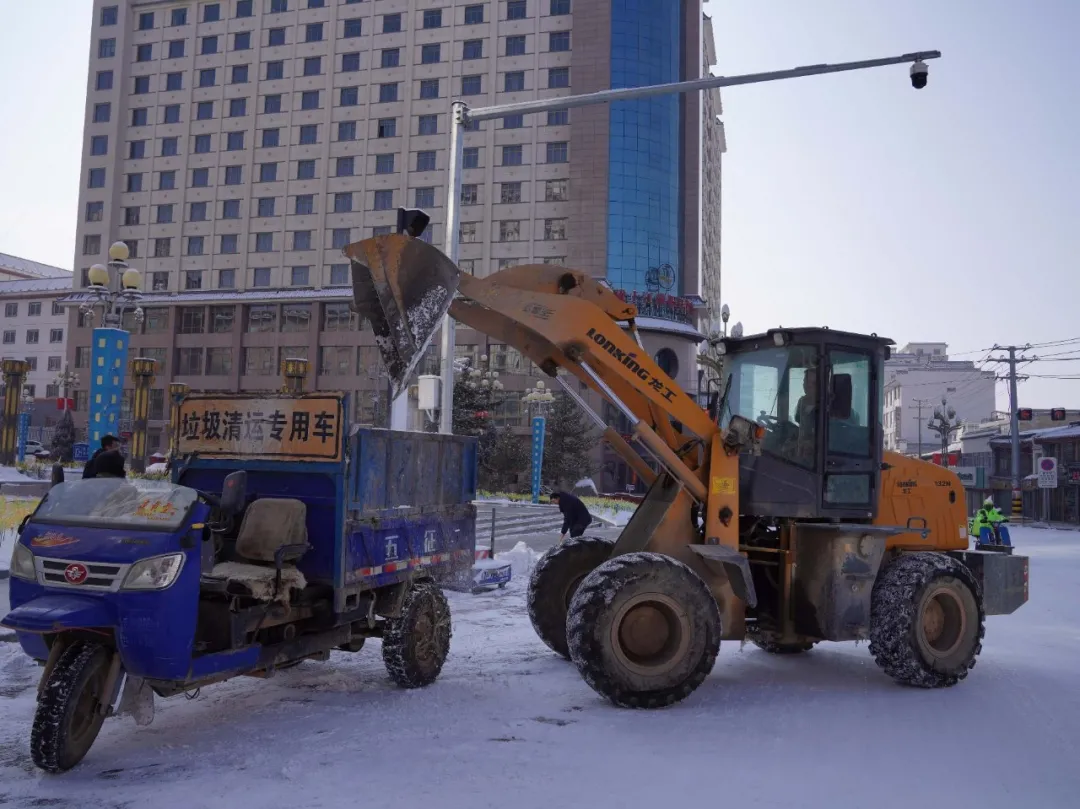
(919, 404)
(1014, 419)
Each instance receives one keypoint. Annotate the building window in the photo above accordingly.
(240, 75)
(339, 276)
(91, 246)
(353, 28)
(301, 240)
(279, 6)
(557, 152)
(555, 230)
(226, 279)
(95, 211)
(474, 15)
(259, 361)
(313, 32)
(267, 172)
(265, 206)
(132, 216)
(384, 164)
(218, 361)
(195, 245)
(558, 77)
(209, 46)
(339, 238)
(234, 141)
(430, 54)
(510, 193)
(515, 46)
(56, 335)
(275, 70)
(178, 17)
(144, 52)
(242, 41)
(384, 200)
(296, 317)
(515, 10)
(313, 66)
(272, 103)
(299, 278)
(510, 230)
(137, 149)
(350, 62)
(162, 248)
(134, 183)
(164, 214)
(471, 85)
(424, 197)
(335, 360)
(189, 361)
(9, 337)
(514, 81)
(172, 114)
(350, 97)
(387, 128)
(54, 363)
(428, 125)
(31, 339)
(33, 309)
(469, 194)
(110, 15)
(559, 41)
(99, 145)
(309, 134)
(429, 88)
(388, 93)
(390, 57)
(104, 80)
(305, 169)
(558, 117)
(230, 209)
(346, 130)
(559, 7)
(513, 121)
(470, 158)
(264, 242)
(391, 23)
(96, 178)
(472, 49)
(275, 36)
(142, 85)
(270, 138)
(469, 232)
(170, 147)
(102, 112)
(511, 155)
(174, 82)
(106, 48)
(237, 107)
(555, 190)
(243, 8)
(260, 277)
(234, 175)
(204, 110)
(309, 100)
(425, 161)
(192, 279)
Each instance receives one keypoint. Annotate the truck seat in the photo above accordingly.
(268, 525)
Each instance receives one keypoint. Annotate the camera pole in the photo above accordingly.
(462, 116)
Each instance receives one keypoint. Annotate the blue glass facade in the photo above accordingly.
(644, 173)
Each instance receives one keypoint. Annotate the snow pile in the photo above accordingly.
(617, 518)
(521, 558)
(585, 486)
(9, 474)
(156, 469)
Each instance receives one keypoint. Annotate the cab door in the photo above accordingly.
(852, 459)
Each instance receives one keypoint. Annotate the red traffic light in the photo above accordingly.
(1057, 414)
(1024, 414)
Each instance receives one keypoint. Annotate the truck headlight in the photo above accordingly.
(155, 573)
(22, 563)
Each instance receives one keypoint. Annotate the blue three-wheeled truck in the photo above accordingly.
(282, 535)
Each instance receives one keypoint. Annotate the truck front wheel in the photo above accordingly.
(415, 645)
(643, 630)
(926, 620)
(69, 711)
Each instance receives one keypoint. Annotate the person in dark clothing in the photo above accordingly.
(110, 464)
(109, 442)
(576, 517)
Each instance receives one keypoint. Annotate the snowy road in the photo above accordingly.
(509, 725)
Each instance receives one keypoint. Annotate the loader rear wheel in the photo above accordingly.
(926, 620)
(643, 630)
(554, 581)
(415, 645)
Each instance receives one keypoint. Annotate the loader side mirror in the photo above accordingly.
(234, 493)
(412, 221)
(840, 397)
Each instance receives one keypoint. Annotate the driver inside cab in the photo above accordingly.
(805, 414)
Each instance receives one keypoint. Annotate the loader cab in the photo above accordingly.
(818, 394)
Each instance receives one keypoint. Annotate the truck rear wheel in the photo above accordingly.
(643, 630)
(69, 712)
(416, 644)
(926, 620)
(554, 581)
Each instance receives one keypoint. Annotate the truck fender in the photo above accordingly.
(735, 565)
(388, 599)
(56, 613)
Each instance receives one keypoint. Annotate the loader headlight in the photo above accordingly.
(155, 573)
(22, 563)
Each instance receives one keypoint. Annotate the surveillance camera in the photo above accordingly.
(919, 74)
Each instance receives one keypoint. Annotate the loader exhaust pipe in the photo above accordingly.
(404, 287)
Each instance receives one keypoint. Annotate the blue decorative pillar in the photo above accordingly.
(24, 432)
(108, 361)
(538, 423)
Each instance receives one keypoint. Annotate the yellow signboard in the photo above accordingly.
(267, 426)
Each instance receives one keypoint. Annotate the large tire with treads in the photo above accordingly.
(643, 630)
(926, 620)
(69, 712)
(554, 581)
(416, 643)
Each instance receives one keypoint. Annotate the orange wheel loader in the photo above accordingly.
(772, 514)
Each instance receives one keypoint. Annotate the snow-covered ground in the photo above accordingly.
(9, 474)
(510, 725)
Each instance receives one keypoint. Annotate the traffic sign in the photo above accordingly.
(1048, 474)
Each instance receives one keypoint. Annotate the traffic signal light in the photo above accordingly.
(1057, 414)
(1024, 414)
(412, 221)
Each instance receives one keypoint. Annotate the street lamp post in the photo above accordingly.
(461, 116)
(115, 290)
(945, 423)
(142, 368)
(538, 399)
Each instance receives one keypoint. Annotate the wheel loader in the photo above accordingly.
(772, 515)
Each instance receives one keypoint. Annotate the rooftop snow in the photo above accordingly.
(35, 285)
(31, 269)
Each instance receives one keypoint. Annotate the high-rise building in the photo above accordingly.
(237, 146)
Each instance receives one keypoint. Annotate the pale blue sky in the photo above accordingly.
(950, 213)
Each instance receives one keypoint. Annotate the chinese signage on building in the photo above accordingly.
(274, 427)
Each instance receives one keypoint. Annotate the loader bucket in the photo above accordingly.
(404, 286)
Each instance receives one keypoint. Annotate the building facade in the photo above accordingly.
(34, 327)
(917, 378)
(237, 146)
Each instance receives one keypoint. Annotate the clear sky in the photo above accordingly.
(853, 201)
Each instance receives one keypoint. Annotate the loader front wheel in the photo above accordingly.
(643, 630)
(926, 620)
(554, 581)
